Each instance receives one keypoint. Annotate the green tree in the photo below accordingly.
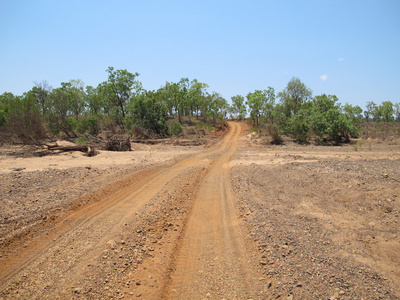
(238, 107)
(76, 96)
(294, 95)
(151, 113)
(59, 112)
(171, 95)
(386, 111)
(120, 89)
(94, 101)
(372, 111)
(41, 92)
(198, 98)
(261, 104)
(298, 125)
(5, 100)
(217, 108)
(397, 111)
(328, 119)
(24, 121)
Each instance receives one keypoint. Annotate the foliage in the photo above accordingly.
(119, 91)
(328, 120)
(174, 128)
(261, 104)
(3, 120)
(238, 108)
(121, 105)
(150, 113)
(275, 132)
(23, 122)
(88, 125)
(59, 113)
(299, 128)
(293, 96)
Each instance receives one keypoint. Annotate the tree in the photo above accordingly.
(151, 113)
(59, 113)
(261, 103)
(372, 111)
(170, 93)
(397, 111)
(238, 107)
(119, 90)
(5, 100)
(24, 121)
(294, 95)
(76, 96)
(327, 119)
(218, 107)
(94, 100)
(41, 92)
(386, 111)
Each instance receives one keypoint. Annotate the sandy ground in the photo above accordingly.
(237, 220)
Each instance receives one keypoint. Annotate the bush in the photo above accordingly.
(151, 114)
(299, 128)
(174, 128)
(275, 132)
(27, 128)
(3, 119)
(88, 125)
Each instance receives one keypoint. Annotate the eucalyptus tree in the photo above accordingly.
(171, 95)
(76, 96)
(217, 107)
(41, 92)
(119, 90)
(197, 97)
(261, 104)
(95, 103)
(294, 95)
(386, 111)
(59, 112)
(238, 107)
(151, 113)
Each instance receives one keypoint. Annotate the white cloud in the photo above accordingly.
(340, 59)
(323, 77)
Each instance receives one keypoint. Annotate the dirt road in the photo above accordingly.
(242, 219)
(169, 231)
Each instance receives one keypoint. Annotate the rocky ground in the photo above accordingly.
(324, 220)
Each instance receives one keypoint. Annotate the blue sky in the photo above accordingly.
(347, 48)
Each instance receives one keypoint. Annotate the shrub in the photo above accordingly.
(299, 128)
(88, 125)
(3, 119)
(174, 128)
(275, 132)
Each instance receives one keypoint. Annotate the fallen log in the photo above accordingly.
(83, 148)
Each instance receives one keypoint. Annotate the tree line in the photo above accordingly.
(121, 104)
(299, 114)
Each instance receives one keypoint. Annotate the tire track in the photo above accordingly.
(214, 259)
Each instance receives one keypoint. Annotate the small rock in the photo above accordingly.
(112, 244)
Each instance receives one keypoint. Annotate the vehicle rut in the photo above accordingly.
(207, 257)
(214, 259)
